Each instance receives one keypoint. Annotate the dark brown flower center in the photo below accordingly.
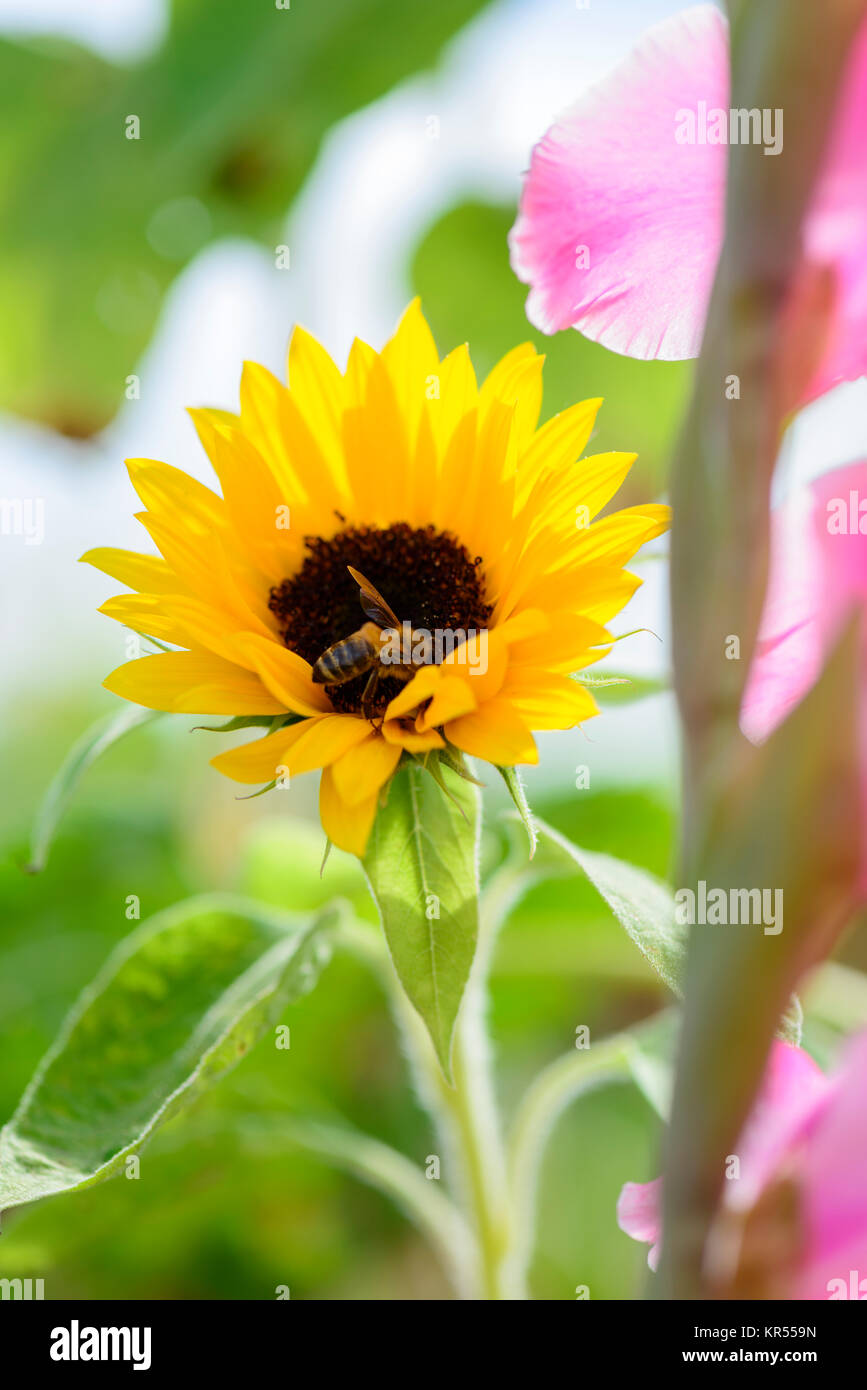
(425, 576)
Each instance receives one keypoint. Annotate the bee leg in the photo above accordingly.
(369, 692)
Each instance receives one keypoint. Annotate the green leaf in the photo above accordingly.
(240, 721)
(92, 744)
(233, 109)
(624, 690)
(176, 1006)
(512, 779)
(644, 907)
(271, 722)
(422, 867)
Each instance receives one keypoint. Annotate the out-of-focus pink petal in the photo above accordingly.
(790, 648)
(793, 1095)
(835, 232)
(818, 577)
(611, 176)
(833, 1186)
(639, 1214)
(818, 573)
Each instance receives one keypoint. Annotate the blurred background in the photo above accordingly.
(319, 163)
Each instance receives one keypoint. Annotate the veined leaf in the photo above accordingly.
(644, 907)
(92, 744)
(422, 866)
(175, 1007)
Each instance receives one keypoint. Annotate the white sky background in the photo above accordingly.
(379, 182)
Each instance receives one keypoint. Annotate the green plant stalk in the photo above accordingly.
(467, 1120)
(553, 1089)
(465, 1115)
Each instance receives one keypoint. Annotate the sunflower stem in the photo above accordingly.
(466, 1114)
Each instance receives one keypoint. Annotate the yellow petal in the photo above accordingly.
(593, 591)
(358, 367)
(412, 362)
(300, 748)
(182, 619)
(420, 688)
(615, 539)
(570, 499)
(303, 449)
(361, 772)
(404, 735)
(610, 542)
(208, 572)
(516, 381)
(548, 701)
(171, 493)
(192, 683)
(458, 394)
(566, 646)
(496, 733)
(481, 663)
(348, 827)
(376, 448)
(144, 613)
(255, 505)
(287, 675)
(148, 573)
(558, 443)
(316, 386)
(453, 697)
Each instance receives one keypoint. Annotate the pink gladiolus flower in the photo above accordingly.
(818, 575)
(621, 218)
(817, 579)
(810, 1131)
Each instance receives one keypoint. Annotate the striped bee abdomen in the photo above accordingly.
(347, 659)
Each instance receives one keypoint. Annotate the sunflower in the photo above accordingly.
(404, 477)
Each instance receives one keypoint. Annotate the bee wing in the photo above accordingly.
(372, 601)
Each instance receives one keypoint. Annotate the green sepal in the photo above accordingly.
(512, 779)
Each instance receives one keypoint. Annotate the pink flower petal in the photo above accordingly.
(818, 575)
(639, 1214)
(792, 1100)
(611, 177)
(620, 225)
(833, 1184)
(790, 1103)
(791, 646)
(836, 229)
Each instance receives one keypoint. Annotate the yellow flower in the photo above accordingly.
(443, 495)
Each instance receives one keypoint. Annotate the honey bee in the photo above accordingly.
(362, 650)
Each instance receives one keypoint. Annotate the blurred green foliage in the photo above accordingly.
(94, 226)
(217, 1212)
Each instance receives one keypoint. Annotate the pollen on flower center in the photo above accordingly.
(426, 576)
